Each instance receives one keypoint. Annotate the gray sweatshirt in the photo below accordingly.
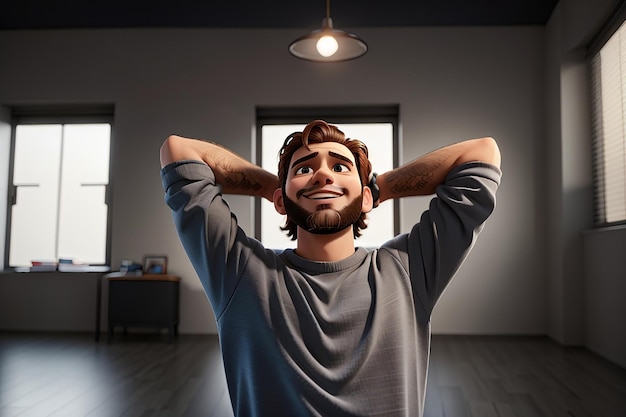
(346, 338)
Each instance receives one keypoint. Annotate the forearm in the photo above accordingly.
(422, 175)
(234, 173)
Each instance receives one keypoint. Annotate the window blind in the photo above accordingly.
(608, 84)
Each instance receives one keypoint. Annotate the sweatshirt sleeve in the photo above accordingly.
(437, 246)
(208, 230)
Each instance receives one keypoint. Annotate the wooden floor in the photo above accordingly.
(142, 375)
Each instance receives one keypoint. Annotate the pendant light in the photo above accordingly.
(328, 44)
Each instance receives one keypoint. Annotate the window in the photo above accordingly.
(608, 78)
(378, 131)
(59, 181)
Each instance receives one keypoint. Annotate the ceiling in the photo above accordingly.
(306, 14)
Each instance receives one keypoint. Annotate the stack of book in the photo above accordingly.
(62, 265)
(70, 265)
(41, 265)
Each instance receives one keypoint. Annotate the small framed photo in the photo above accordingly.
(155, 264)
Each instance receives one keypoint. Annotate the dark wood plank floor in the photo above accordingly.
(69, 375)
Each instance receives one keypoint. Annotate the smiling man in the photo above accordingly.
(327, 328)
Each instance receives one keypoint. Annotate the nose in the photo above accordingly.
(324, 175)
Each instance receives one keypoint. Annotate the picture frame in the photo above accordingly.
(155, 264)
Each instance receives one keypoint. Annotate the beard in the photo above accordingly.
(324, 220)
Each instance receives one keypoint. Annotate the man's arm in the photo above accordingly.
(235, 174)
(422, 175)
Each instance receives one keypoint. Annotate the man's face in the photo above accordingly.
(323, 192)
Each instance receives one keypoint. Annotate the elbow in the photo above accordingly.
(168, 150)
(490, 151)
(479, 150)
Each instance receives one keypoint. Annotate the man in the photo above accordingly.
(327, 329)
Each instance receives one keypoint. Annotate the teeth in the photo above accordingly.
(318, 196)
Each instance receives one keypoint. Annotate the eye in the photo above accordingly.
(341, 168)
(304, 170)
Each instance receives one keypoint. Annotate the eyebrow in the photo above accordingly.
(314, 154)
(305, 158)
(339, 156)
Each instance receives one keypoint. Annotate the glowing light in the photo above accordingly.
(327, 46)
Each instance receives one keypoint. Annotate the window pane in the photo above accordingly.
(61, 174)
(84, 176)
(379, 139)
(36, 175)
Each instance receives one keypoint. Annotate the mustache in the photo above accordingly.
(328, 187)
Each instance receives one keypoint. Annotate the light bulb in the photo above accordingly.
(327, 46)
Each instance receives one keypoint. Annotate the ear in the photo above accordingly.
(368, 200)
(279, 203)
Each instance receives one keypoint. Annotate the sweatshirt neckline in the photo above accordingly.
(318, 267)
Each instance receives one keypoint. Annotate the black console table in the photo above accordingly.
(149, 300)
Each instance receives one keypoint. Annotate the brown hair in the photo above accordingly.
(319, 131)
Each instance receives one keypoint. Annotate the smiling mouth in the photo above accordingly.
(324, 193)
